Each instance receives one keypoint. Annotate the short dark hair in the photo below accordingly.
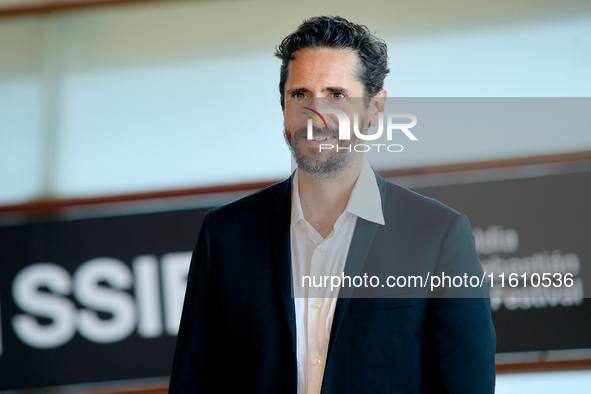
(335, 32)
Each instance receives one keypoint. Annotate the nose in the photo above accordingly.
(317, 116)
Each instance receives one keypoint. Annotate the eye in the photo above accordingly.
(337, 96)
(298, 96)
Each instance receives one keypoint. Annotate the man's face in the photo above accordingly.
(320, 78)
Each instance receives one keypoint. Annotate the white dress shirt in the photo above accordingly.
(314, 256)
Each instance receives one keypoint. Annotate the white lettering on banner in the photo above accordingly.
(147, 294)
(175, 267)
(102, 287)
(495, 239)
(110, 299)
(521, 293)
(51, 305)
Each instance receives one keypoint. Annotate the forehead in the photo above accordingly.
(321, 67)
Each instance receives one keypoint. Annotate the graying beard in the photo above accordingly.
(330, 168)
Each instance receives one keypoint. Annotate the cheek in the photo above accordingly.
(287, 132)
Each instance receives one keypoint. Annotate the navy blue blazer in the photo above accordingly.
(237, 332)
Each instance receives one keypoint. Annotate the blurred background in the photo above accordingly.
(118, 117)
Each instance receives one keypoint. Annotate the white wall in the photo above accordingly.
(21, 93)
(184, 94)
(571, 382)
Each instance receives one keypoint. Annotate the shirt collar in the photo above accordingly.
(297, 213)
(365, 201)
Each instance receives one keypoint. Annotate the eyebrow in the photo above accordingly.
(331, 89)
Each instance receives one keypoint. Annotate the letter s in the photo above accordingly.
(90, 293)
(60, 310)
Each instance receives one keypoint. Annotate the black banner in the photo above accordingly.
(99, 299)
(532, 226)
(93, 299)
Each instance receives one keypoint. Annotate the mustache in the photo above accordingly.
(316, 132)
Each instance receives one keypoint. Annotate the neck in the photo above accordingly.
(325, 199)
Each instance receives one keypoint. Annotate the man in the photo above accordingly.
(249, 325)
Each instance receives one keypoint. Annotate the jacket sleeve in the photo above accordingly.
(193, 355)
(460, 339)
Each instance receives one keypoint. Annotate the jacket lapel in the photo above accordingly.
(358, 251)
(280, 244)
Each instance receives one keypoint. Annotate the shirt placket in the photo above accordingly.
(317, 314)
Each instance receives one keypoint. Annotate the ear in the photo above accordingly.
(376, 106)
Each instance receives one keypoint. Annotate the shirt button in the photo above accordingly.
(322, 247)
(317, 362)
(316, 304)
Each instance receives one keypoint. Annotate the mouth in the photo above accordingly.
(319, 137)
(322, 138)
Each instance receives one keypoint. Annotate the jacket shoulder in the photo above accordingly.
(418, 204)
(257, 205)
